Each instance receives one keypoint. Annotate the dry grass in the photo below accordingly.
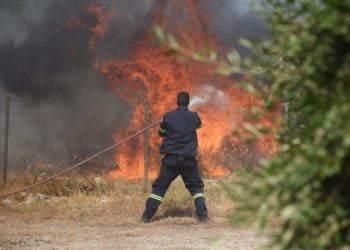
(73, 197)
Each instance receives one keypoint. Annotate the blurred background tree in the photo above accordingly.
(306, 185)
(305, 62)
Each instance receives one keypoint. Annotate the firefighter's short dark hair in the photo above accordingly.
(183, 98)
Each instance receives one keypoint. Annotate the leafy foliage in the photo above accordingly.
(306, 186)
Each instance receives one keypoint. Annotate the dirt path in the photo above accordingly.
(123, 233)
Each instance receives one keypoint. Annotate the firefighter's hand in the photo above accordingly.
(162, 132)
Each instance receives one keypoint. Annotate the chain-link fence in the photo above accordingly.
(46, 137)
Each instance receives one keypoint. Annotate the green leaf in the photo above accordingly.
(245, 43)
(234, 57)
(159, 33)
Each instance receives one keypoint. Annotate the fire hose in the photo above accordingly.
(82, 162)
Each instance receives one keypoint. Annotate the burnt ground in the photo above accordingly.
(110, 231)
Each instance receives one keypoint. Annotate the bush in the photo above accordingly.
(306, 186)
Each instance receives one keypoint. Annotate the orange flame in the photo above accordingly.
(103, 22)
(150, 74)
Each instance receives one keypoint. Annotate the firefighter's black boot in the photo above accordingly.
(152, 205)
(201, 209)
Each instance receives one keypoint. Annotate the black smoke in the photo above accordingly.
(44, 63)
(39, 53)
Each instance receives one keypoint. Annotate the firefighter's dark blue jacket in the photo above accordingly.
(179, 131)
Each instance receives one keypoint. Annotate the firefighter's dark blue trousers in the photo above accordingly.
(172, 166)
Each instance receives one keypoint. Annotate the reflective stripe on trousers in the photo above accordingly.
(156, 197)
(197, 195)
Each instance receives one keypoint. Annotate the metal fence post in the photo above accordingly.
(6, 139)
(146, 155)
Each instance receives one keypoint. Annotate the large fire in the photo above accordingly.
(150, 74)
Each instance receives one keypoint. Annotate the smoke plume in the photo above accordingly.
(43, 61)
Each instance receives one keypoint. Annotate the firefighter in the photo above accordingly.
(179, 147)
